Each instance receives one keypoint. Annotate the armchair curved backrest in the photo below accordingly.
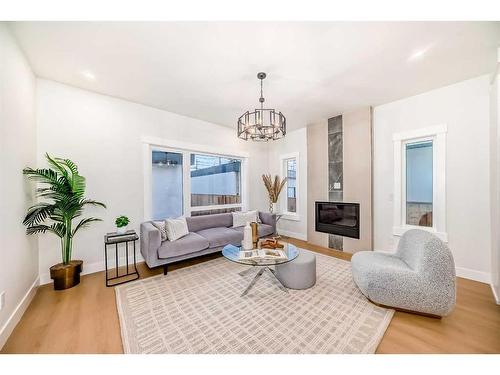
(425, 253)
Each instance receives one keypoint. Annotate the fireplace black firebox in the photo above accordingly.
(339, 218)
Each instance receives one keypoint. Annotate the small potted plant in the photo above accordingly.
(121, 224)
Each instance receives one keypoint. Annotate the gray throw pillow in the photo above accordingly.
(160, 225)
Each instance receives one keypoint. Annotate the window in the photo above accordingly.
(419, 181)
(167, 186)
(215, 180)
(289, 196)
(291, 175)
(182, 182)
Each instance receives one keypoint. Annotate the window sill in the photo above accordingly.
(216, 207)
(290, 216)
(399, 231)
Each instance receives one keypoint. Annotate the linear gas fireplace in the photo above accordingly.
(339, 218)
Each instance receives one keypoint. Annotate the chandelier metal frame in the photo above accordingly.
(262, 124)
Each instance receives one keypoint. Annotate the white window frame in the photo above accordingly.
(438, 136)
(151, 144)
(295, 216)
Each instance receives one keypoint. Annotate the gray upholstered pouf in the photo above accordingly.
(300, 273)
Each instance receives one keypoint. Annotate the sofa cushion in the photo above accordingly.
(221, 236)
(263, 230)
(197, 223)
(190, 243)
(240, 219)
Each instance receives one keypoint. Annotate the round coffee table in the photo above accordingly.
(232, 253)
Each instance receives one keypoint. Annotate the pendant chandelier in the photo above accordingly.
(261, 124)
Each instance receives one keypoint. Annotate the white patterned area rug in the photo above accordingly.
(198, 309)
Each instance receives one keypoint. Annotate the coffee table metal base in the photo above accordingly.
(258, 275)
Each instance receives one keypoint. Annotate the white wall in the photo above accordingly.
(295, 141)
(464, 107)
(495, 181)
(18, 252)
(317, 177)
(103, 136)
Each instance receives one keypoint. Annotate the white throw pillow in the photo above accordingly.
(241, 218)
(160, 225)
(176, 228)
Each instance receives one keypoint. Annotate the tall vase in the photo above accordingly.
(247, 237)
(273, 207)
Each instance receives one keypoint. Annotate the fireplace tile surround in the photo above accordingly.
(335, 171)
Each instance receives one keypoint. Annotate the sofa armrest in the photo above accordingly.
(150, 242)
(269, 219)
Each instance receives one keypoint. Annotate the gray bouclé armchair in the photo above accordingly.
(419, 277)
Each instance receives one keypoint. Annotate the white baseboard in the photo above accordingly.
(18, 312)
(495, 294)
(467, 273)
(89, 268)
(299, 236)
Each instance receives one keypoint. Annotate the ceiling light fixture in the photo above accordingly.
(261, 124)
(417, 54)
(88, 75)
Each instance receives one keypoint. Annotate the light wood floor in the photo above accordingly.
(84, 320)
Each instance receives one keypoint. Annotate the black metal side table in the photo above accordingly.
(116, 239)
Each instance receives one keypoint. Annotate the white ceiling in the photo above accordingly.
(207, 70)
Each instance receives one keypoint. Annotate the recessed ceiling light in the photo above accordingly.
(88, 75)
(417, 54)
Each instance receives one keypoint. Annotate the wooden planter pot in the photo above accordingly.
(66, 276)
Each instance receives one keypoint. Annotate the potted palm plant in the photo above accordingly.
(274, 187)
(62, 200)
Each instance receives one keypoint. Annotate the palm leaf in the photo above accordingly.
(77, 181)
(38, 213)
(84, 223)
(60, 229)
(57, 165)
(47, 176)
(77, 184)
(92, 203)
(68, 163)
(37, 229)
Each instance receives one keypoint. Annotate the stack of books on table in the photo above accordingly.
(263, 254)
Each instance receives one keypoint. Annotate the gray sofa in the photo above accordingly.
(207, 234)
(419, 277)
